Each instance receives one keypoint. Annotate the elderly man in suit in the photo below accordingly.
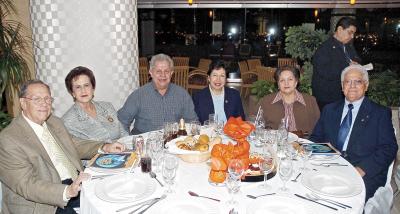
(39, 161)
(361, 129)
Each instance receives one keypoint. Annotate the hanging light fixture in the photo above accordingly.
(190, 2)
(316, 13)
(352, 2)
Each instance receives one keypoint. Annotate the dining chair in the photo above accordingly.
(144, 76)
(243, 67)
(197, 80)
(203, 65)
(248, 79)
(266, 73)
(181, 61)
(180, 76)
(287, 61)
(253, 63)
(382, 200)
(143, 62)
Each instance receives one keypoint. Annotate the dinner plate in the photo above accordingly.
(292, 137)
(187, 205)
(276, 205)
(332, 183)
(172, 148)
(125, 188)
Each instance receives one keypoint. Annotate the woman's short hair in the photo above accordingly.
(295, 72)
(161, 57)
(74, 73)
(345, 22)
(216, 65)
(358, 68)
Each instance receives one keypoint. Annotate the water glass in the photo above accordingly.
(195, 128)
(170, 166)
(305, 154)
(156, 147)
(235, 172)
(259, 137)
(266, 165)
(285, 172)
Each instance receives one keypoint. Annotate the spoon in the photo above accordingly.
(254, 197)
(197, 195)
(317, 197)
(153, 175)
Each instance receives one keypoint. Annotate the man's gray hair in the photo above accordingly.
(358, 68)
(25, 85)
(161, 57)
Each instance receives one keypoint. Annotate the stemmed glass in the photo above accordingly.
(285, 172)
(195, 128)
(235, 171)
(170, 165)
(305, 154)
(266, 165)
(156, 147)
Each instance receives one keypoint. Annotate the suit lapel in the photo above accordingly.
(32, 138)
(360, 122)
(336, 119)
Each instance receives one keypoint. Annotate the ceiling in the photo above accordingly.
(268, 4)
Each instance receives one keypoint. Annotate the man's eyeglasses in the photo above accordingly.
(160, 72)
(354, 82)
(38, 100)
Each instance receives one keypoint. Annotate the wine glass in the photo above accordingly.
(260, 137)
(195, 128)
(305, 154)
(235, 171)
(285, 172)
(156, 147)
(266, 165)
(170, 165)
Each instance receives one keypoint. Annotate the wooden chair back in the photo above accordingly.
(243, 67)
(196, 80)
(253, 63)
(143, 62)
(181, 61)
(180, 76)
(143, 75)
(248, 79)
(204, 64)
(287, 61)
(266, 73)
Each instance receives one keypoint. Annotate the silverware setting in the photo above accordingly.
(254, 197)
(305, 198)
(93, 177)
(143, 203)
(329, 164)
(297, 177)
(233, 211)
(150, 205)
(317, 197)
(201, 196)
(147, 203)
(153, 175)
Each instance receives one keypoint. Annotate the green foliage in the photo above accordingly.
(302, 41)
(13, 47)
(5, 119)
(305, 78)
(384, 88)
(260, 88)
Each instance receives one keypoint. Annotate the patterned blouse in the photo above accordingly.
(104, 127)
(289, 116)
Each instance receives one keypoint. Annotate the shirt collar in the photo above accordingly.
(153, 85)
(213, 94)
(38, 129)
(298, 98)
(356, 103)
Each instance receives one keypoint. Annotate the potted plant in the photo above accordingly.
(301, 43)
(13, 50)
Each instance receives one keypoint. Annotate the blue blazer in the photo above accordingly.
(372, 144)
(203, 104)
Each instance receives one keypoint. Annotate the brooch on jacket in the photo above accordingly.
(110, 119)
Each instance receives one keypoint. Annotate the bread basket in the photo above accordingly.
(195, 157)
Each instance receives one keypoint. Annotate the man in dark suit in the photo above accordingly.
(336, 53)
(360, 128)
(39, 160)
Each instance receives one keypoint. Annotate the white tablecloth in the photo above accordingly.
(194, 177)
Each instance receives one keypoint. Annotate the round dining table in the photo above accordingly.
(194, 177)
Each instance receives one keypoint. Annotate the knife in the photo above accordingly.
(300, 196)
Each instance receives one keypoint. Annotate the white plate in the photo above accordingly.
(323, 157)
(125, 188)
(292, 137)
(109, 171)
(332, 183)
(172, 148)
(276, 205)
(233, 80)
(187, 205)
